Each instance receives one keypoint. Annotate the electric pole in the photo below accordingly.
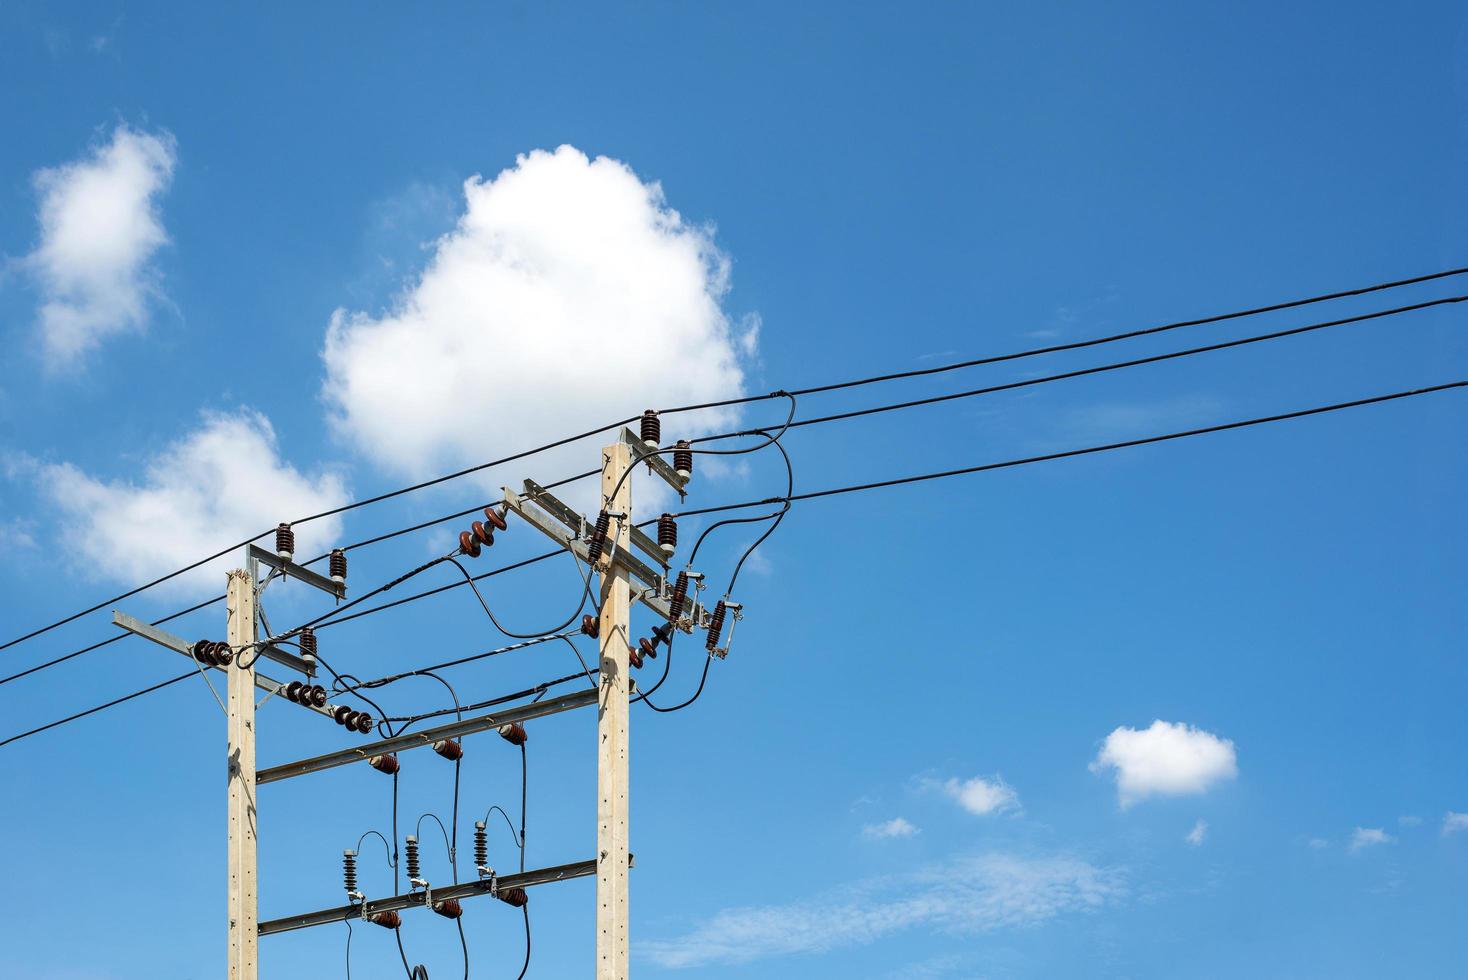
(244, 893)
(613, 715)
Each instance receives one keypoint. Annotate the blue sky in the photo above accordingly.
(1190, 710)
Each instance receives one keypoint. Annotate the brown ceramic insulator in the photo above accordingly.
(481, 845)
(591, 626)
(496, 518)
(203, 651)
(339, 714)
(307, 640)
(716, 626)
(468, 545)
(513, 896)
(223, 655)
(652, 429)
(293, 691)
(410, 853)
(680, 595)
(449, 908)
(450, 748)
(514, 733)
(484, 533)
(634, 657)
(349, 871)
(648, 648)
(388, 919)
(683, 459)
(364, 723)
(667, 534)
(285, 542)
(338, 566)
(384, 763)
(598, 537)
(318, 696)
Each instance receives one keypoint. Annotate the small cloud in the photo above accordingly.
(1364, 837)
(1410, 821)
(1199, 831)
(100, 227)
(981, 796)
(896, 827)
(1167, 759)
(1454, 822)
(1318, 843)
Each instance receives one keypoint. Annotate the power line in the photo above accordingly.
(881, 484)
(835, 386)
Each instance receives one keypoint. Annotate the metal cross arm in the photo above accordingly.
(468, 889)
(181, 646)
(655, 462)
(413, 740)
(289, 569)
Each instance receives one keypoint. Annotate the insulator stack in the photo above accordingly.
(311, 695)
(384, 763)
(365, 724)
(340, 712)
(591, 626)
(598, 537)
(634, 657)
(481, 845)
(212, 653)
(338, 566)
(481, 533)
(388, 919)
(349, 871)
(648, 647)
(450, 748)
(667, 534)
(716, 626)
(307, 639)
(317, 697)
(513, 896)
(514, 733)
(449, 908)
(285, 542)
(652, 429)
(410, 845)
(680, 595)
(683, 459)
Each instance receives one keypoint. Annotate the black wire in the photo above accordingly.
(937, 369)
(100, 707)
(346, 920)
(469, 579)
(985, 467)
(897, 406)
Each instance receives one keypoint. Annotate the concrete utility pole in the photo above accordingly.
(611, 727)
(244, 893)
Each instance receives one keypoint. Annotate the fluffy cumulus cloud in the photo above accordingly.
(1454, 822)
(189, 503)
(568, 294)
(1364, 837)
(99, 229)
(896, 827)
(981, 796)
(1167, 759)
(963, 896)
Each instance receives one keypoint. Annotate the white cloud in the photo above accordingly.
(1364, 837)
(1167, 759)
(896, 827)
(100, 226)
(568, 294)
(1454, 822)
(981, 796)
(1318, 843)
(218, 484)
(1410, 821)
(1198, 833)
(965, 895)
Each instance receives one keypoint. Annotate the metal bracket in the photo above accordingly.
(655, 463)
(544, 499)
(181, 646)
(289, 569)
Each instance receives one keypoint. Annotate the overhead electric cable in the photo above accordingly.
(835, 386)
